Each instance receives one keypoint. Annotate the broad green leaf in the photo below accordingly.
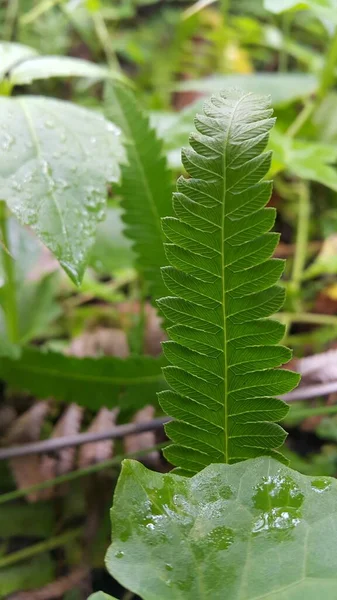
(325, 119)
(101, 596)
(38, 307)
(55, 161)
(112, 250)
(308, 160)
(325, 10)
(12, 54)
(145, 187)
(325, 263)
(247, 531)
(223, 285)
(27, 575)
(43, 67)
(107, 381)
(36, 298)
(283, 87)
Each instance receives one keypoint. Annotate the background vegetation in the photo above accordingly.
(80, 349)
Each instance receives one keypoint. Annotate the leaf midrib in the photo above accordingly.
(223, 266)
(39, 156)
(88, 378)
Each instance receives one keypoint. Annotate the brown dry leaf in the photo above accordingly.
(57, 588)
(318, 368)
(63, 460)
(26, 469)
(141, 441)
(154, 334)
(7, 418)
(111, 342)
(28, 426)
(98, 451)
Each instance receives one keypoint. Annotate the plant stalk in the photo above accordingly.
(304, 413)
(283, 56)
(50, 544)
(302, 237)
(106, 464)
(327, 77)
(10, 300)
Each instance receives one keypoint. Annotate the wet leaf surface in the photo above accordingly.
(255, 529)
(55, 162)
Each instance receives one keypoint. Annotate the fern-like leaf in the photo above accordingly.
(146, 187)
(223, 348)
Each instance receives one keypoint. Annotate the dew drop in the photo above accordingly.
(119, 554)
(320, 485)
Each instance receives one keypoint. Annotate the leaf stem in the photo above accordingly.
(37, 11)
(283, 56)
(301, 118)
(312, 318)
(327, 76)
(302, 237)
(112, 462)
(303, 413)
(10, 20)
(10, 300)
(104, 38)
(50, 544)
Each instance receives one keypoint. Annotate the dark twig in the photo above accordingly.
(79, 439)
(120, 431)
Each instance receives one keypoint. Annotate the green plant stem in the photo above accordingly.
(11, 16)
(104, 38)
(302, 237)
(283, 57)
(326, 80)
(318, 319)
(327, 76)
(50, 544)
(10, 300)
(304, 413)
(225, 4)
(112, 462)
(38, 10)
(301, 118)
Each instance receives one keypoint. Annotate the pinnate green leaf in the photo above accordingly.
(248, 531)
(223, 285)
(145, 187)
(55, 162)
(108, 381)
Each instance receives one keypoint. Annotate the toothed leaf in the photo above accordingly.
(223, 285)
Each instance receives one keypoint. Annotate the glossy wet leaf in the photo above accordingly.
(44, 67)
(283, 87)
(248, 531)
(12, 54)
(92, 382)
(101, 596)
(55, 162)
